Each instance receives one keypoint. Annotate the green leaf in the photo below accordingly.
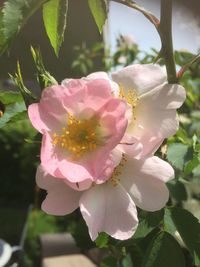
(127, 261)
(188, 227)
(189, 167)
(164, 251)
(14, 15)
(55, 17)
(109, 262)
(98, 9)
(14, 107)
(176, 154)
(149, 221)
(177, 190)
(8, 97)
(102, 240)
(14, 112)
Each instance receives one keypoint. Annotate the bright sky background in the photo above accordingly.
(124, 20)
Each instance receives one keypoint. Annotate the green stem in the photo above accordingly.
(166, 39)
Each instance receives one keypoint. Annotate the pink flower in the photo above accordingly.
(111, 206)
(152, 106)
(81, 123)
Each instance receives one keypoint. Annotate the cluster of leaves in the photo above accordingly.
(14, 14)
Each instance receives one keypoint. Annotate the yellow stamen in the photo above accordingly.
(79, 136)
(131, 97)
(114, 179)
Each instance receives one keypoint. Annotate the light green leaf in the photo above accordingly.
(44, 78)
(13, 16)
(189, 167)
(98, 9)
(176, 154)
(55, 17)
(164, 251)
(14, 112)
(8, 97)
(102, 240)
(188, 227)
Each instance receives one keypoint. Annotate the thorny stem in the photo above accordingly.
(164, 29)
(166, 39)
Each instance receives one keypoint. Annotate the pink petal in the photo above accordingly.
(142, 78)
(81, 186)
(145, 181)
(108, 208)
(49, 114)
(59, 164)
(60, 199)
(103, 75)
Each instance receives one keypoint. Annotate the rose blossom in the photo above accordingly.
(81, 123)
(152, 106)
(111, 206)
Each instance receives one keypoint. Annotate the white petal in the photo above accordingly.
(141, 78)
(145, 182)
(168, 96)
(108, 208)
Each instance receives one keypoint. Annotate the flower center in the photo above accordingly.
(130, 96)
(79, 137)
(114, 179)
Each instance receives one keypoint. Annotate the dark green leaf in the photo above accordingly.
(164, 251)
(127, 261)
(55, 17)
(176, 154)
(15, 14)
(149, 221)
(188, 227)
(109, 262)
(98, 9)
(177, 190)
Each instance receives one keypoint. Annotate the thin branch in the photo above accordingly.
(166, 39)
(164, 29)
(186, 66)
(155, 21)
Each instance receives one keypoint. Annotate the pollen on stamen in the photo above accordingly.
(114, 179)
(79, 136)
(131, 97)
